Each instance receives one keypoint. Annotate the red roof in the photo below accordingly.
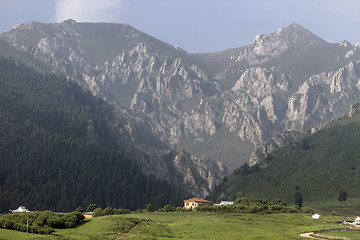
(197, 200)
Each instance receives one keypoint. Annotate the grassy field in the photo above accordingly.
(107, 227)
(232, 226)
(344, 234)
(192, 225)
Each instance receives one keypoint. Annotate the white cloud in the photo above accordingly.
(88, 10)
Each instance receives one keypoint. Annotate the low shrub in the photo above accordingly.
(109, 211)
(40, 222)
(168, 208)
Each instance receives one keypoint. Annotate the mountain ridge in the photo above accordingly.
(192, 100)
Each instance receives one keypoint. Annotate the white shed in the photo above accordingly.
(316, 216)
(357, 220)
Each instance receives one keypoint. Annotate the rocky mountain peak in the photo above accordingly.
(346, 44)
(294, 30)
(267, 47)
(69, 22)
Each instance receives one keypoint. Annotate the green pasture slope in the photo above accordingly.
(347, 234)
(106, 227)
(191, 225)
(351, 207)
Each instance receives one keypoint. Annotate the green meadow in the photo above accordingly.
(348, 234)
(350, 207)
(193, 225)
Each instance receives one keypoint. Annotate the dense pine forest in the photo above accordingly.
(47, 159)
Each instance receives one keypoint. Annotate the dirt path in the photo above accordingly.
(308, 235)
(132, 230)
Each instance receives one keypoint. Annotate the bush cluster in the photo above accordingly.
(253, 208)
(253, 205)
(109, 211)
(40, 222)
(168, 208)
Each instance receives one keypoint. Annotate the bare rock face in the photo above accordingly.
(324, 96)
(256, 103)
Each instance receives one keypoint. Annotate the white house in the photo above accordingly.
(357, 220)
(316, 216)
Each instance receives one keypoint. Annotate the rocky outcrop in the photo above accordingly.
(259, 156)
(202, 175)
(355, 110)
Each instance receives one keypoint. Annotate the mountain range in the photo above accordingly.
(187, 117)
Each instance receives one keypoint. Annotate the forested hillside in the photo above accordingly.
(318, 166)
(57, 151)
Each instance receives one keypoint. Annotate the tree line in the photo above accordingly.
(47, 161)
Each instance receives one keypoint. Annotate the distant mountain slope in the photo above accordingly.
(318, 165)
(8, 51)
(58, 150)
(221, 104)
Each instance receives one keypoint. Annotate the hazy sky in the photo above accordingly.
(197, 25)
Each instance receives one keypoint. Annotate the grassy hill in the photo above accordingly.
(318, 166)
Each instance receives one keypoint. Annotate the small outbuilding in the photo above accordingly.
(88, 215)
(357, 220)
(20, 209)
(316, 216)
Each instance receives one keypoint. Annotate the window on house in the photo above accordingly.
(193, 204)
(187, 204)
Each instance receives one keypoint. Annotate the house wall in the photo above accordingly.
(188, 205)
(87, 215)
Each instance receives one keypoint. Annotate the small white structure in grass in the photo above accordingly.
(357, 220)
(20, 209)
(316, 216)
